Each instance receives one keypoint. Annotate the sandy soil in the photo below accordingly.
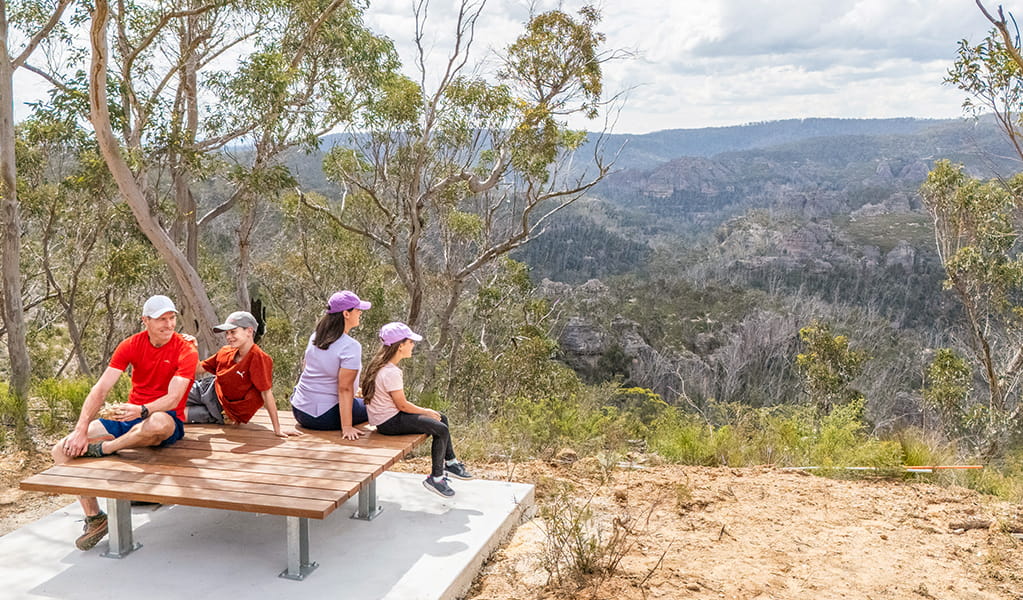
(693, 532)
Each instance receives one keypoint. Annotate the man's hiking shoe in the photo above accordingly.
(95, 529)
(458, 471)
(95, 450)
(438, 486)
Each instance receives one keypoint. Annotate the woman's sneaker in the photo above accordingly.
(439, 486)
(458, 471)
(95, 529)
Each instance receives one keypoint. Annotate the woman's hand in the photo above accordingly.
(351, 433)
(288, 433)
(432, 414)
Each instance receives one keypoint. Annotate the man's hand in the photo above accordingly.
(288, 433)
(433, 414)
(126, 412)
(75, 444)
(351, 433)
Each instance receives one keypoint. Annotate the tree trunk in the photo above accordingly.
(245, 228)
(185, 275)
(10, 213)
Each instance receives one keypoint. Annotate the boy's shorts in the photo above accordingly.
(119, 428)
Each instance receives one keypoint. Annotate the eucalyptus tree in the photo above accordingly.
(35, 20)
(458, 168)
(977, 230)
(977, 234)
(302, 67)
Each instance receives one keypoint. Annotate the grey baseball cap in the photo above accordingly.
(237, 319)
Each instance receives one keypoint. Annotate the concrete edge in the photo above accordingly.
(524, 510)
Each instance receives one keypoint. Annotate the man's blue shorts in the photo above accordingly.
(119, 428)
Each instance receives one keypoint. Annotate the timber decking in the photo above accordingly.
(239, 467)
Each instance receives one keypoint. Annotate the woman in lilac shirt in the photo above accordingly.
(324, 397)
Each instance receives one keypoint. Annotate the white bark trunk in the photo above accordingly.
(99, 114)
(10, 215)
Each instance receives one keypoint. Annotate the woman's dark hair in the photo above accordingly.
(369, 374)
(330, 327)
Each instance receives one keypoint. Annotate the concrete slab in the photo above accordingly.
(422, 546)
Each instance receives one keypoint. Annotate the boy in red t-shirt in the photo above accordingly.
(244, 378)
(163, 366)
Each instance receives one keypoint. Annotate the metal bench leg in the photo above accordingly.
(119, 523)
(299, 564)
(368, 509)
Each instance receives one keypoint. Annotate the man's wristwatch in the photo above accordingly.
(145, 412)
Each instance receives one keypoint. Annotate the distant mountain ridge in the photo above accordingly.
(639, 150)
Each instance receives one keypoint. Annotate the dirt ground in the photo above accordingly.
(694, 532)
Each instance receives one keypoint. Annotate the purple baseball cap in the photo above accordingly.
(345, 300)
(395, 332)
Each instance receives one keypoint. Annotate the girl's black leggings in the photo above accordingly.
(403, 423)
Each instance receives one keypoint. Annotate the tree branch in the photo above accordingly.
(338, 222)
(41, 34)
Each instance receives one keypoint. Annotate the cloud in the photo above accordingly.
(706, 63)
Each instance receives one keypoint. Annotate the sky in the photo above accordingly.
(707, 63)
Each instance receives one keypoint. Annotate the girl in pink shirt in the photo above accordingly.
(392, 414)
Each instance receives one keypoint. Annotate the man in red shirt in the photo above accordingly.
(163, 366)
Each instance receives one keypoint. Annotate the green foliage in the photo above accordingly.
(921, 448)
(542, 426)
(947, 388)
(782, 435)
(63, 398)
(977, 239)
(828, 366)
(1006, 482)
(987, 72)
(557, 58)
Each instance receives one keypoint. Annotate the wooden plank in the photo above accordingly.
(182, 457)
(220, 470)
(273, 469)
(299, 451)
(372, 440)
(294, 489)
(170, 494)
(331, 440)
(263, 419)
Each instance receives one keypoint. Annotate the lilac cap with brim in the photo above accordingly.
(345, 300)
(393, 333)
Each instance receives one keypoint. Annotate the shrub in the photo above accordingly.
(580, 549)
(781, 435)
(63, 398)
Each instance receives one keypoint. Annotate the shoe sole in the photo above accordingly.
(88, 543)
(436, 491)
(457, 476)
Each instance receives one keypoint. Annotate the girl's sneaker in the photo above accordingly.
(438, 485)
(458, 471)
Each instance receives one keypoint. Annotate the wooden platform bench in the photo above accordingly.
(237, 467)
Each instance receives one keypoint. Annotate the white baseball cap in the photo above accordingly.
(157, 306)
